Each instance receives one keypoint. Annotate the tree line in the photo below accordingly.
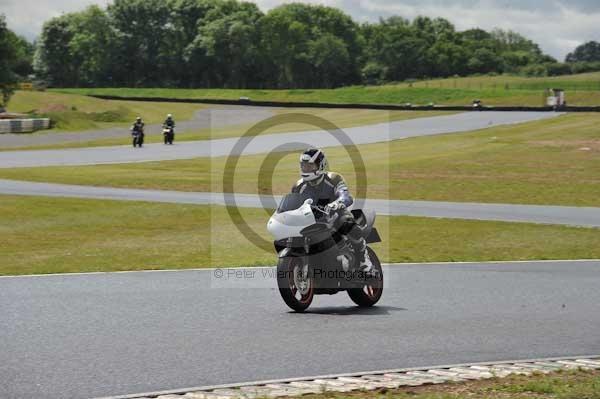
(226, 43)
(16, 55)
(232, 44)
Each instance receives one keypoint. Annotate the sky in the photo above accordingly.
(557, 26)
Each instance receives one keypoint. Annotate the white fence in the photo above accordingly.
(23, 125)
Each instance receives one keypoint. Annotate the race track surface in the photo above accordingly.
(77, 336)
(272, 142)
(563, 215)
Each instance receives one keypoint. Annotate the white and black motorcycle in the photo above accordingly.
(315, 259)
(137, 137)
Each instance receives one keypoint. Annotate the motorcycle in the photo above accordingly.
(168, 134)
(315, 259)
(138, 137)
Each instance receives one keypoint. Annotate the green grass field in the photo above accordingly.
(579, 82)
(583, 89)
(72, 112)
(58, 235)
(552, 162)
(560, 385)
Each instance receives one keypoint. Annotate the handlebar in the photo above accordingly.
(319, 209)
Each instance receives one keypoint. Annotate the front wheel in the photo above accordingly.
(371, 292)
(296, 283)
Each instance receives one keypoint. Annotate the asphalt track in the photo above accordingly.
(562, 215)
(77, 336)
(383, 132)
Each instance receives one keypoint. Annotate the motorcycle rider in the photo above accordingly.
(169, 122)
(138, 125)
(319, 183)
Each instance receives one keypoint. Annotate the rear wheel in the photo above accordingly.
(296, 283)
(371, 292)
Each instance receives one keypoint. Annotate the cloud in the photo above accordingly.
(26, 17)
(558, 26)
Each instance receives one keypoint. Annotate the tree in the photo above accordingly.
(22, 65)
(373, 73)
(291, 33)
(54, 60)
(587, 52)
(140, 27)
(395, 46)
(330, 57)
(484, 61)
(187, 62)
(230, 42)
(447, 59)
(91, 45)
(7, 57)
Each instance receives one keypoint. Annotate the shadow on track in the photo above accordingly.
(352, 311)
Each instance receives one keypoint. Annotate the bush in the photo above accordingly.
(557, 69)
(536, 70)
(583, 67)
(373, 73)
(119, 115)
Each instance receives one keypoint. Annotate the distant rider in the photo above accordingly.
(138, 125)
(169, 122)
(318, 183)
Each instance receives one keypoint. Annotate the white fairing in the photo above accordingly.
(289, 224)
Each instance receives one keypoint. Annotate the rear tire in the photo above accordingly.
(298, 298)
(370, 294)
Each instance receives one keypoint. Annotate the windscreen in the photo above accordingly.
(292, 201)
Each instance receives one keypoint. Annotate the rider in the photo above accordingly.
(138, 125)
(169, 122)
(317, 182)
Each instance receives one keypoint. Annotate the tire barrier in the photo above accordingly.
(390, 107)
(23, 125)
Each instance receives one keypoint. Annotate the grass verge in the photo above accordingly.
(550, 162)
(60, 235)
(492, 91)
(560, 385)
(72, 112)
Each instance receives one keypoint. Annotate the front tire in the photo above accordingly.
(296, 283)
(370, 294)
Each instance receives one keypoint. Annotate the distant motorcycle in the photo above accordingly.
(138, 137)
(168, 134)
(314, 259)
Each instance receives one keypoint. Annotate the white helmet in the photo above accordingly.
(169, 116)
(313, 164)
